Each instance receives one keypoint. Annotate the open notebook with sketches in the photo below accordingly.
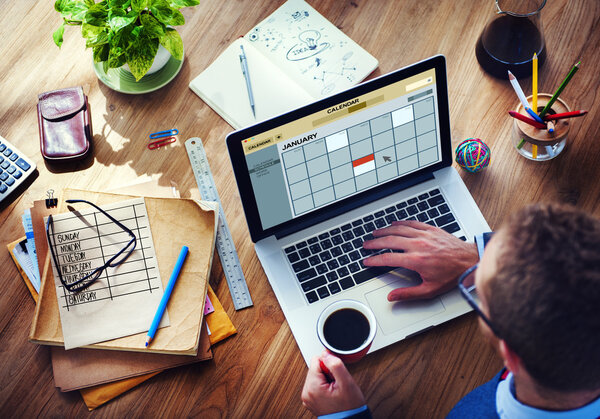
(294, 56)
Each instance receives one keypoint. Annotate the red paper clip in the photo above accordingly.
(159, 143)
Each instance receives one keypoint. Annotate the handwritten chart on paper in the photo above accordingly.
(123, 300)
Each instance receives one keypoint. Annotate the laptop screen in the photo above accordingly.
(339, 151)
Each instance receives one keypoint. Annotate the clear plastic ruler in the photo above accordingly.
(227, 253)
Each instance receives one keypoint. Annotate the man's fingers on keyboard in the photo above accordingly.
(397, 230)
(390, 259)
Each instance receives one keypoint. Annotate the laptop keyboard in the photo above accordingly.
(332, 261)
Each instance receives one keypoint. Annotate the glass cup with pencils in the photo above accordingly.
(540, 141)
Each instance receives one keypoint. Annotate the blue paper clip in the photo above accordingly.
(161, 134)
(161, 142)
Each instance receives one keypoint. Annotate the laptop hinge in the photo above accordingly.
(339, 209)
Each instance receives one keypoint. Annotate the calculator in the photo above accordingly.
(15, 167)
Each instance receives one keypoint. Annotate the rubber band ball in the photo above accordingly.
(473, 155)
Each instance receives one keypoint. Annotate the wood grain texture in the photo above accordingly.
(259, 372)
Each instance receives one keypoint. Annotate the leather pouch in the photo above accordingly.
(65, 124)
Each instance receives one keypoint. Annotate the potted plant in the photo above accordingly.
(125, 31)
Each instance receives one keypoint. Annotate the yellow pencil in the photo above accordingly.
(534, 89)
(534, 94)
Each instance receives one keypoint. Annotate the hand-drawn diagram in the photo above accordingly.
(309, 47)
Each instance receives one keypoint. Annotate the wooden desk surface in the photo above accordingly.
(260, 372)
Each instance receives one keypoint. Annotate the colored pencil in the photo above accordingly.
(560, 89)
(534, 82)
(550, 126)
(517, 87)
(527, 120)
(534, 115)
(571, 114)
(533, 151)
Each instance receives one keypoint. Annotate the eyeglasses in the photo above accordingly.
(466, 285)
(114, 261)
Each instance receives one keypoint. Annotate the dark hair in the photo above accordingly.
(545, 297)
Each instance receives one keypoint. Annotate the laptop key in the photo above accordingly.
(431, 223)
(390, 218)
(301, 245)
(334, 288)
(369, 227)
(312, 240)
(434, 192)
(401, 215)
(289, 249)
(346, 227)
(312, 297)
(326, 244)
(423, 196)
(422, 217)
(379, 214)
(323, 236)
(412, 201)
(370, 273)
(443, 209)
(315, 248)
(391, 209)
(333, 264)
(332, 276)
(401, 205)
(325, 256)
(412, 210)
(336, 251)
(354, 256)
(369, 217)
(293, 257)
(300, 266)
(314, 283)
(444, 219)
(452, 228)
(304, 253)
(343, 271)
(347, 247)
(343, 260)
(435, 201)
(346, 283)
(337, 240)
(356, 223)
(380, 223)
(347, 235)
(463, 238)
(357, 243)
(358, 231)
(306, 275)
(323, 292)
(314, 260)
(433, 213)
(422, 206)
(354, 267)
(335, 231)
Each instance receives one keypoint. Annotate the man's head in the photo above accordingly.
(539, 281)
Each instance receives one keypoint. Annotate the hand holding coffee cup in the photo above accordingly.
(347, 328)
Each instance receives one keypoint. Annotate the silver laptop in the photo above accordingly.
(315, 182)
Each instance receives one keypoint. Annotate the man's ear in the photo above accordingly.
(512, 361)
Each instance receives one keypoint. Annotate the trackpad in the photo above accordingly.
(400, 314)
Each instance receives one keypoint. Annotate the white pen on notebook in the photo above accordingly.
(244, 63)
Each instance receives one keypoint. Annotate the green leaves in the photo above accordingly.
(172, 43)
(140, 55)
(125, 31)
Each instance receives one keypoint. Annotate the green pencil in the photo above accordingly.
(559, 90)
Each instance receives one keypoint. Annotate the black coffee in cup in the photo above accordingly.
(346, 329)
